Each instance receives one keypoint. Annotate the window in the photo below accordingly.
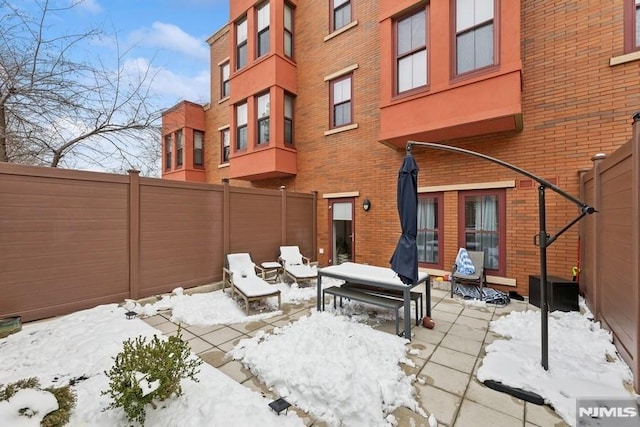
(167, 152)
(263, 118)
(263, 29)
(474, 34)
(411, 52)
(482, 215)
(226, 145)
(288, 119)
(225, 83)
(179, 149)
(631, 25)
(429, 239)
(341, 101)
(241, 44)
(288, 31)
(241, 126)
(341, 14)
(198, 148)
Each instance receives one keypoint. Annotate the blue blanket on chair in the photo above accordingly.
(489, 295)
(463, 263)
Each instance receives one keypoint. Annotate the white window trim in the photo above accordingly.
(341, 30)
(470, 186)
(341, 195)
(623, 59)
(341, 129)
(341, 73)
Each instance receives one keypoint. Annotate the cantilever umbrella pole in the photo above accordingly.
(543, 239)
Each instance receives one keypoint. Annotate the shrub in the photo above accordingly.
(147, 372)
(64, 395)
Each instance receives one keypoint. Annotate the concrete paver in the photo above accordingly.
(446, 359)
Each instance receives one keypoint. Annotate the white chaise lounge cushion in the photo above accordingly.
(241, 265)
(302, 271)
(291, 255)
(253, 286)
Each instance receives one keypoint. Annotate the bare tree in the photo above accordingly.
(59, 111)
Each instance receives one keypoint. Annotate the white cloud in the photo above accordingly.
(171, 37)
(91, 6)
(170, 87)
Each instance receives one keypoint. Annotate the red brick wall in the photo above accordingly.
(574, 105)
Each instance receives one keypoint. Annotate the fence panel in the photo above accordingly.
(71, 240)
(611, 247)
(180, 235)
(63, 240)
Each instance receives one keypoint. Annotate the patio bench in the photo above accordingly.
(367, 298)
(391, 293)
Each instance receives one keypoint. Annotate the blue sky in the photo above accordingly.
(170, 34)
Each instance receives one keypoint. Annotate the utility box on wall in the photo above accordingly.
(562, 294)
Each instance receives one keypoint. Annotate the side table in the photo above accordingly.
(272, 271)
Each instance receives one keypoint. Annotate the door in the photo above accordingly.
(341, 231)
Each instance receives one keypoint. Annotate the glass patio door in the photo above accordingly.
(342, 238)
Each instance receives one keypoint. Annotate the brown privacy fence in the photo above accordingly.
(610, 249)
(71, 240)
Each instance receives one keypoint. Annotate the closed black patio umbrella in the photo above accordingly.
(404, 260)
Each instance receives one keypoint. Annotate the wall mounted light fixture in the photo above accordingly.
(366, 205)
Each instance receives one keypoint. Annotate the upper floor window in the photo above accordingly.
(167, 152)
(474, 34)
(288, 119)
(179, 148)
(198, 148)
(482, 226)
(411, 52)
(429, 238)
(225, 139)
(341, 13)
(241, 43)
(225, 82)
(341, 101)
(241, 126)
(263, 119)
(263, 29)
(288, 30)
(631, 25)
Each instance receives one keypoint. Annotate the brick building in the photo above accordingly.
(323, 95)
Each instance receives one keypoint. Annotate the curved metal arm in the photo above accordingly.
(586, 209)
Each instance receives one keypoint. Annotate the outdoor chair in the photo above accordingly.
(297, 267)
(241, 274)
(477, 278)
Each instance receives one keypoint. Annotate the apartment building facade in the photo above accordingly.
(323, 95)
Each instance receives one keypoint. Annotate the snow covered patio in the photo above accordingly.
(336, 370)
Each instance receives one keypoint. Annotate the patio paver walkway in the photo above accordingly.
(449, 355)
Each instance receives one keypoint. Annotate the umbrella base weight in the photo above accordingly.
(519, 393)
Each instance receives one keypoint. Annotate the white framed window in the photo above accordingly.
(198, 148)
(474, 34)
(262, 37)
(179, 148)
(225, 142)
(241, 126)
(341, 111)
(411, 52)
(288, 30)
(288, 119)
(340, 13)
(241, 43)
(263, 118)
(225, 82)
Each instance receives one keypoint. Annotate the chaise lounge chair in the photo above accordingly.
(240, 275)
(297, 267)
(462, 276)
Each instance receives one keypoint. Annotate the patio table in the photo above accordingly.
(376, 276)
